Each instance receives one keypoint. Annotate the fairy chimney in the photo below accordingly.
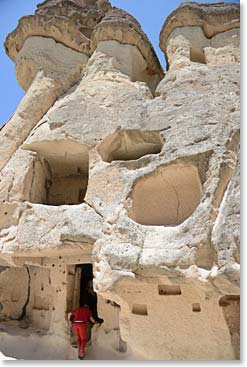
(115, 171)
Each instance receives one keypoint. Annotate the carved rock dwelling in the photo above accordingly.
(115, 169)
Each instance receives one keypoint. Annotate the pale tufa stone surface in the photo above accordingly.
(45, 79)
(131, 170)
(212, 19)
(53, 59)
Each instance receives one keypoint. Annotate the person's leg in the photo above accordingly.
(78, 335)
(83, 337)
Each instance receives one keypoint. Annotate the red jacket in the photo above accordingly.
(81, 314)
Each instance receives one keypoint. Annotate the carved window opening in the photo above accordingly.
(166, 197)
(127, 145)
(61, 174)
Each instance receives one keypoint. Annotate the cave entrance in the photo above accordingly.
(87, 294)
(84, 294)
(107, 338)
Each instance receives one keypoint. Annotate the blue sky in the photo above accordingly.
(149, 15)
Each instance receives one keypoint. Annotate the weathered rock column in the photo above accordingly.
(189, 34)
(120, 36)
(39, 98)
(49, 52)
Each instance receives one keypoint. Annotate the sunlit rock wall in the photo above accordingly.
(111, 161)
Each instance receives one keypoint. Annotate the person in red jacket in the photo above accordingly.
(79, 319)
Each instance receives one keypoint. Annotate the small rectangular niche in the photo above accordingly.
(196, 307)
(228, 299)
(169, 290)
(197, 55)
(140, 309)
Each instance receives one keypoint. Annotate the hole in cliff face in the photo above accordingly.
(140, 309)
(87, 294)
(166, 197)
(196, 307)
(228, 299)
(61, 175)
(81, 293)
(231, 310)
(169, 290)
(197, 55)
(130, 145)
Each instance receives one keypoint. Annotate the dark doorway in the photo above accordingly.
(87, 294)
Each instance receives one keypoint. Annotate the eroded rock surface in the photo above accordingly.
(110, 161)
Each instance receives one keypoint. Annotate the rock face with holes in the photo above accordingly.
(111, 161)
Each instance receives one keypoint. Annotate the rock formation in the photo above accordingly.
(110, 161)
